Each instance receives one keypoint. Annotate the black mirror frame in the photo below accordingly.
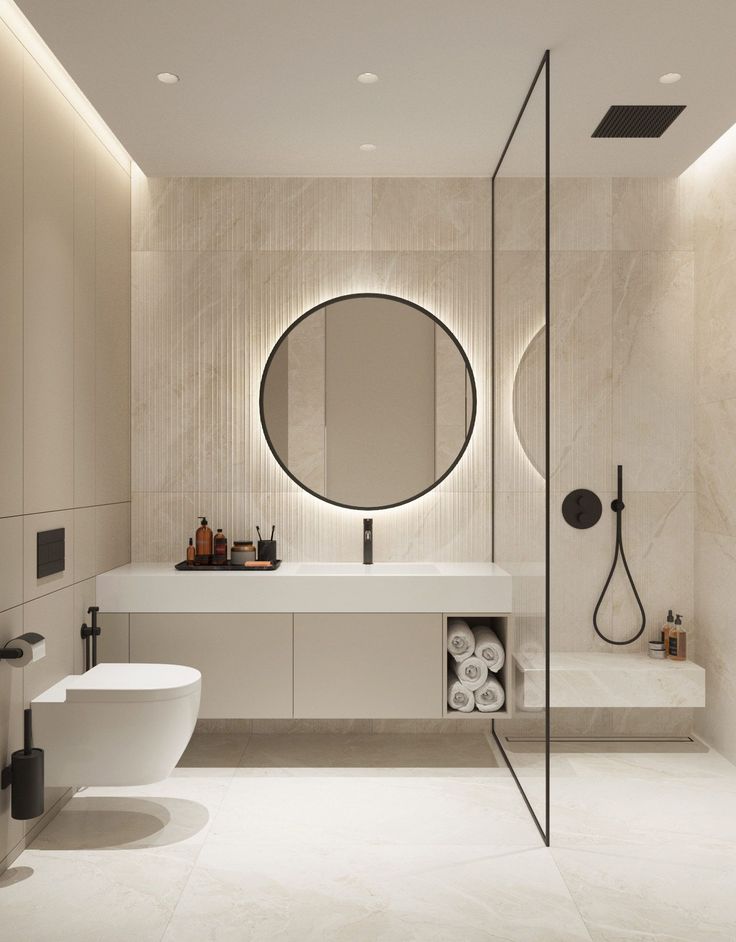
(385, 297)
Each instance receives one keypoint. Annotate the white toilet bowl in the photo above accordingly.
(117, 724)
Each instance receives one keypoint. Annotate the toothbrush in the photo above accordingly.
(273, 530)
(258, 530)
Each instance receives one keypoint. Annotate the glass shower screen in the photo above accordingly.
(521, 292)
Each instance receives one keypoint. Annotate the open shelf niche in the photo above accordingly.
(503, 626)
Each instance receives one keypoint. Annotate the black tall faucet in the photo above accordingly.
(368, 541)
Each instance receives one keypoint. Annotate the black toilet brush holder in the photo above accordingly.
(25, 777)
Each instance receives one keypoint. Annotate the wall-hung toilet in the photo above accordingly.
(117, 724)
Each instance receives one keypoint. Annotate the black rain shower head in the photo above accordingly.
(637, 120)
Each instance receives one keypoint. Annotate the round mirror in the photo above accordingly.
(529, 401)
(368, 401)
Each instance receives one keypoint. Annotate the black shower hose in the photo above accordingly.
(618, 506)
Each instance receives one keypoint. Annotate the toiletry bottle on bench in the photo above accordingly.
(190, 552)
(678, 641)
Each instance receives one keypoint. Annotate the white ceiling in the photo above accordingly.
(268, 87)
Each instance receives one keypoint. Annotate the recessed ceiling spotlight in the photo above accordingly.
(168, 78)
(367, 146)
(367, 78)
(669, 78)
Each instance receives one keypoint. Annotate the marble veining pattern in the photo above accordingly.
(358, 837)
(220, 269)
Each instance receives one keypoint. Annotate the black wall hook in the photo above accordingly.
(617, 506)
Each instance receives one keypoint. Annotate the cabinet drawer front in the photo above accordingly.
(368, 666)
(246, 661)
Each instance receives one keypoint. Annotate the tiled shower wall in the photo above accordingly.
(713, 182)
(64, 383)
(622, 385)
(220, 268)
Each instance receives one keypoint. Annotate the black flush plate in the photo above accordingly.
(50, 552)
(582, 509)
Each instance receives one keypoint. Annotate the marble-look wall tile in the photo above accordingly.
(653, 369)
(715, 577)
(431, 213)
(711, 182)
(621, 385)
(651, 213)
(204, 323)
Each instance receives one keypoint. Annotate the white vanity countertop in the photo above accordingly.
(454, 588)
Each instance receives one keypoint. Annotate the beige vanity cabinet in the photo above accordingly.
(246, 660)
(362, 666)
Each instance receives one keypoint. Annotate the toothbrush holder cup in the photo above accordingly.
(267, 550)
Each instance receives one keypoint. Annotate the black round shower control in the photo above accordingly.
(582, 509)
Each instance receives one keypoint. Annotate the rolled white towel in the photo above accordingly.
(460, 639)
(489, 648)
(459, 697)
(490, 696)
(472, 672)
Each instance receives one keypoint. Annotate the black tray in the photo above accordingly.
(227, 567)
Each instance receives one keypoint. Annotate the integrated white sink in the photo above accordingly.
(376, 569)
(452, 588)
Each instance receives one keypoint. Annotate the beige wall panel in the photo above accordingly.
(11, 562)
(245, 660)
(112, 338)
(368, 666)
(84, 543)
(11, 273)
(112, 539)
(114, 642)
(48, 266)
(53, 617)
(85, 594)
(86, 147)
(11, 725)
(32, 525)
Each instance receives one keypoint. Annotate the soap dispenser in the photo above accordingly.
(677, 645)
(203, 539)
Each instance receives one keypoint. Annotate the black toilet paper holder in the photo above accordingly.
(25, 775)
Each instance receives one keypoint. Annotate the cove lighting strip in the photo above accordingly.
(26, 34)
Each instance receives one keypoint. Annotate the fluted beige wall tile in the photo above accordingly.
(430, 214)
(112, 536)
(86, 147)
(112, 330)
(11, 273)
(309, 213)
(11, 562)
(581, 213)
(650, 213)
(33, 524)
(48, 262)
(520, 214)
(205, 322)
(653, 369)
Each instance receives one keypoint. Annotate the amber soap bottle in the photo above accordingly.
(677, 648)
(203, 539)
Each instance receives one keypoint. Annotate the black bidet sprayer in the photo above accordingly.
(617, 506)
